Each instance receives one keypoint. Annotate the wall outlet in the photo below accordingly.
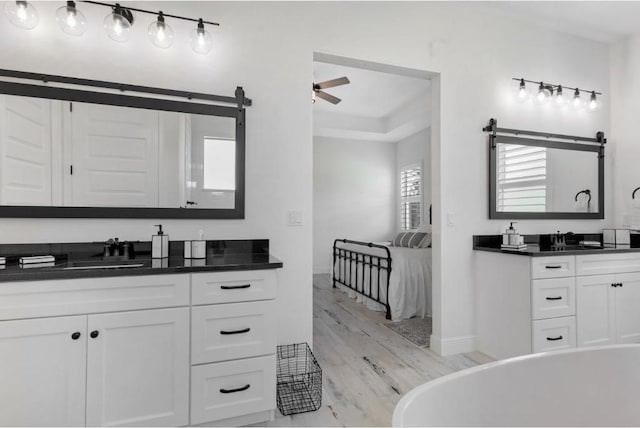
(295, 218)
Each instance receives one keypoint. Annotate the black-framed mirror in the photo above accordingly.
(545, 177)
(78, 148)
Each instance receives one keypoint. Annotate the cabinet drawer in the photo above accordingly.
(229, 287)
(602, 264)
(82, 296)
(233, 388)
(552, 298)
(553, 267)
(554, 334)
(234, 330)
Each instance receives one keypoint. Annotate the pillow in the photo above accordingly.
(409, 239)
(426, 242)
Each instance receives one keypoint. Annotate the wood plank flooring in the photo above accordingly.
(366, 367)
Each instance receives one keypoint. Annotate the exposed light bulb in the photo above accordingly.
(160, 32)
(522, 90)
(21, 14)
(201, 41)
(593, 103)
(543, 93)
(71, 20)
(118, 23)
(577, 100)
(559, 97)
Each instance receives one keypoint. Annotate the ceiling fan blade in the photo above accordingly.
(327, 97)
(334, 82)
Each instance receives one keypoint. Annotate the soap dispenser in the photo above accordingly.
(159, 244)
(509, 236)
(514, 236)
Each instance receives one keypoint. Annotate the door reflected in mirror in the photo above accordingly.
(57, 153)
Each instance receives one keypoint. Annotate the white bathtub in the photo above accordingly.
(582, 387)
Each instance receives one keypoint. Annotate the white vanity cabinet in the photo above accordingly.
(136, 351)
(42, 371)
(97, 369)
(537, 304)
(608, 301)
(233, 346)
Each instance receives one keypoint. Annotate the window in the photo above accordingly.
(219, 164)
(522, 178)
(410, 197)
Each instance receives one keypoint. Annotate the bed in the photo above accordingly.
(396, 280)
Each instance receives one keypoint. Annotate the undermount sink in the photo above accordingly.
(102, 264)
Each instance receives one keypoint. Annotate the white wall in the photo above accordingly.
(268, 48)
(354, 190)
(625, 108)
(415, 149)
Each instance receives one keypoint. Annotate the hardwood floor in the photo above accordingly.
(366, 367)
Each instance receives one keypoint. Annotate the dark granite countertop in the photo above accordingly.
(537, 247)
(73, 258)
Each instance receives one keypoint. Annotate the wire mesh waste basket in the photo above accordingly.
(299, 379)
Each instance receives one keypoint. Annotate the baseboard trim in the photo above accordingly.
(453, 345)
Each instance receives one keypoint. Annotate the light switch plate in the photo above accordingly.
(294, 218)
(451, 219)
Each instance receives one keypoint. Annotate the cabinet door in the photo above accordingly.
(138, 368)
(42, 372)
(595, 310)
(628, 308)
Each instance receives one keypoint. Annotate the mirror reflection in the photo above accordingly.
(543, 179)
(58, 153)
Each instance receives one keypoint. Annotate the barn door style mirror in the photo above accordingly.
(73, 147)
(536, 175)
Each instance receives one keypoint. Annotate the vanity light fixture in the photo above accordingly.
(593, 102)
(559, 98)
(160, 32)
(118, 23)
(71, 20)
(577, 101)
(201, 40)
(21, 14)
(547, 91)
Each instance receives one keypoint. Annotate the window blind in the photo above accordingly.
(522, 178)
(410, 197)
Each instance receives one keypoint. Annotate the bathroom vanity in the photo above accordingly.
(170, 345)
(535, 300)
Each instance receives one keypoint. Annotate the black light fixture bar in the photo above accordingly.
(120, 87)
(546, 84)
(150, 12)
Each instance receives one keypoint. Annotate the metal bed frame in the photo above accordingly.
(344, 260)
(343, 255)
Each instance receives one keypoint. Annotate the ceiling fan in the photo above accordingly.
(318, 89)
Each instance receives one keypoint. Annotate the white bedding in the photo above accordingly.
(409, 285)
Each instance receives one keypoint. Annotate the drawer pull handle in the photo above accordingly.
(553, 267)
(244, 330)
(235, 287)
(75, 335)
(554, 338)
(231, 391)
(554, 298)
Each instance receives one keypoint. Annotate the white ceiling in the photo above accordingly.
(604, 21)
(371, 94)
(375, 106)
